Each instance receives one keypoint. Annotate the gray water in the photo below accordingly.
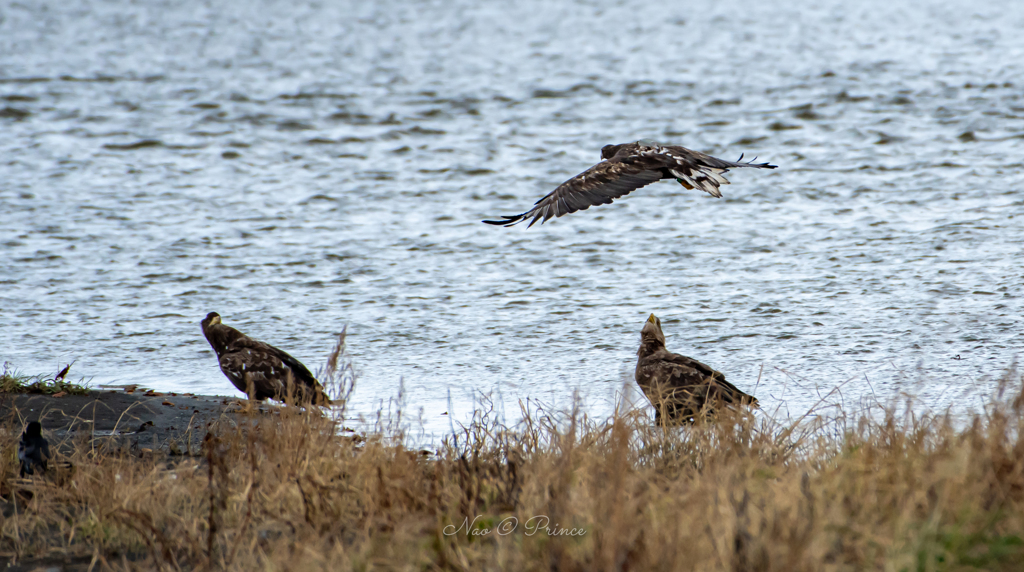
(303, 166)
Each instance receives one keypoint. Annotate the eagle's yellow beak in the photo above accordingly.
(652, 319)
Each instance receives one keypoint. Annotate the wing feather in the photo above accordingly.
(267, 367)
(700, 170)
(268, 353)
(689, 377)
(598, 185)
(633, 165)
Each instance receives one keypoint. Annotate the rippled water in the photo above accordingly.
(300, 166)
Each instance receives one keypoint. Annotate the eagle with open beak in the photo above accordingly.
(681, 389)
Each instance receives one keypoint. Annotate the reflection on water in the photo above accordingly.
(302, 166)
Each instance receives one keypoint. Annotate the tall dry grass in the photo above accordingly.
(887, 490)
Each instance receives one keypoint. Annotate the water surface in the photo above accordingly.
(302, 166)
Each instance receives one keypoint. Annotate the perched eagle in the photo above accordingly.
(260, 370)
(625, 168)
(680, 388)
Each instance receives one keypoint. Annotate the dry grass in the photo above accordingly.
(887, 490)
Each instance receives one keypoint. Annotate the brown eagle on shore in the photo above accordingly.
(258, 369)
(681, 389)
(625, 168)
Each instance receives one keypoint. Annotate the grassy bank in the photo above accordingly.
(12, 381)
(885, 490)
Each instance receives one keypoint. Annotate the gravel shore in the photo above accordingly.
(174, 423)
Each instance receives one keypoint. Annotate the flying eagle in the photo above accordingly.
(260, 370)
(680, 388)
(625, 168)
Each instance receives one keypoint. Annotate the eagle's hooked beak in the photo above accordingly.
(652, 319)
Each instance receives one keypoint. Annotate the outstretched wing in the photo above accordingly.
(598, 185)
(694, 169)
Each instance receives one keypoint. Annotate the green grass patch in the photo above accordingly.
(958, 550)
(12, 381)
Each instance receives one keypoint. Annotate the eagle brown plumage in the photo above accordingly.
(625, 168)
(681, 389)
(258, 369)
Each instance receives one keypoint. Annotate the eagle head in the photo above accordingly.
(651, 331)
(609, 151)
(211, 319)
